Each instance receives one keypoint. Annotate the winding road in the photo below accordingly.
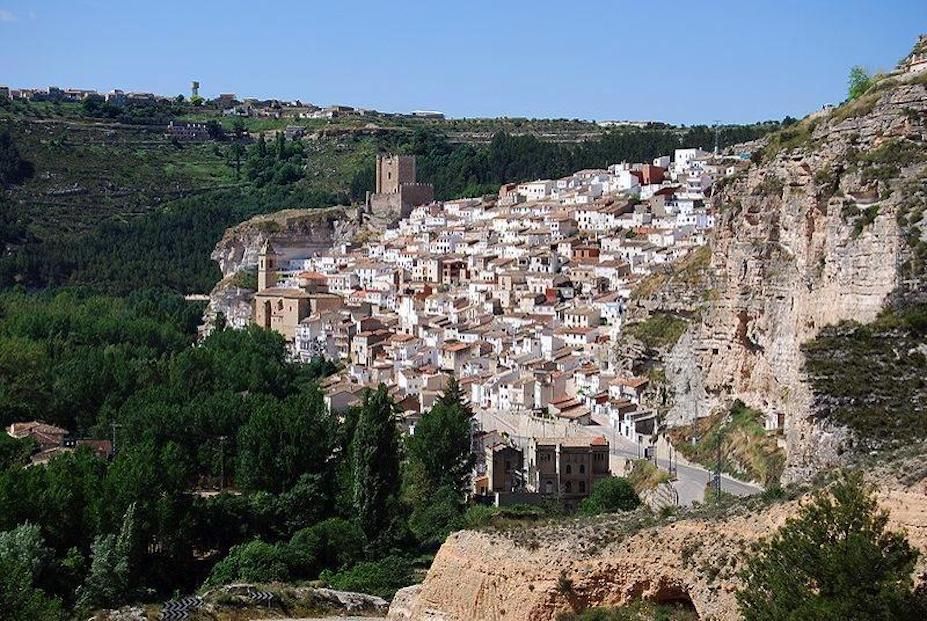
(690, 481)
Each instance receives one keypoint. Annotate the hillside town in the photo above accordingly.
(520, 296)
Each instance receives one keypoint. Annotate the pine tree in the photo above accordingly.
(441, 446)
(834, 560)
(375, 453)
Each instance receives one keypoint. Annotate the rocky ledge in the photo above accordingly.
(534, 573)
(314, 230)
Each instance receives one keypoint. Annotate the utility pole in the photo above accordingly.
(114, 426)
(222, 463)
(717, 137)
(718, 473)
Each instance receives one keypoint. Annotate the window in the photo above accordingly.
(568, 487)
(582, 468)
(582, 487)
(548, 487)
(569, 469)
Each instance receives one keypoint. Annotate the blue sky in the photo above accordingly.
(683, 62)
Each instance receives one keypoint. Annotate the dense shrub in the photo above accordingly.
(610, 495)
(383, 577)
(255, 561)
(334, 544)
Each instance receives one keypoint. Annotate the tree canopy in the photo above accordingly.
(375, 455)
(836, 559)
(609, 495)
(441, 444)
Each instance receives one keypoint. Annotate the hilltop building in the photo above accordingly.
(396, 187)
(917, 59)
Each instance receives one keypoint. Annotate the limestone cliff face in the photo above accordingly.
(516, 576)
(808, 238)
(313, 229)
(309, 230)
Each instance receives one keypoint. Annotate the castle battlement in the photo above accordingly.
(396, 187)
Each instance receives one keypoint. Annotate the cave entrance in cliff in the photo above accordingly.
(675, 597)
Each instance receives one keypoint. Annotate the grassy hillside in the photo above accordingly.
(871, 378)
(745, 448)
(113, 203)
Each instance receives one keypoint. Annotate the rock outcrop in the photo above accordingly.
(313, 229)
(535, 573)
(310, 230)
(815, 234)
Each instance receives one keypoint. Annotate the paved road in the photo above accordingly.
(690, 481)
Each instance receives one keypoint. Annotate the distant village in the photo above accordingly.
(231, 105)
(227, 104)
(521, 296)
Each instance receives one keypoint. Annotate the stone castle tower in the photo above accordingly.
(267, 267)
(393, 171)
(397, 191)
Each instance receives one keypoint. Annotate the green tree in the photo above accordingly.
(281, 441)
(236, 152)
(835, 560)
(610, 495)
(280, 146)
(859, 82)
(215, 130)
(108, 582)
(375, 455)
(255, 561)
(23, 559)
(437, 517)
(332, 544)
(441, 444)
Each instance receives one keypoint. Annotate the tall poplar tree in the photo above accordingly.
(375, 454)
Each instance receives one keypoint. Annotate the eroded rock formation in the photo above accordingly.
(808, 238)
(311, 230)
(535, 573)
